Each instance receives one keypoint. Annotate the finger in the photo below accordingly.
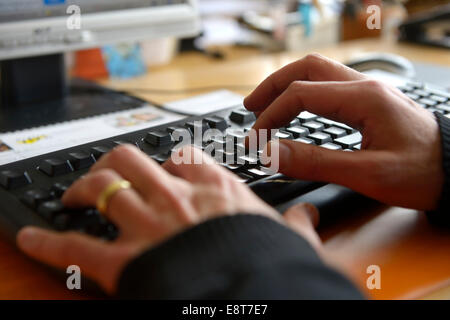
(195, 166)
(125, 208)
(355, 170)
(303, 218)
(63, 250)
(133, 165)
(311, 68)
(348, 102)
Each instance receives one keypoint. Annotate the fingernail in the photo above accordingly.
(27, 239)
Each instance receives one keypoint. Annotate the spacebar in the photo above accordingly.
(279, 188)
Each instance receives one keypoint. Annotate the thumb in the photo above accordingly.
(309, 162)
(303, 218)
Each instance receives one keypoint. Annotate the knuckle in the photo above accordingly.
(314, 58)
(101, 177)
(220, 179)
(295, 86)
(122, 153)
(375, 85)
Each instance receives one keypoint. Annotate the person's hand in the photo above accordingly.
(164, 201)
(401, 158)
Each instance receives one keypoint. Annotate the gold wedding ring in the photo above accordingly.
(109, 192)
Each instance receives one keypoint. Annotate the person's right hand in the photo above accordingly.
(401, 158)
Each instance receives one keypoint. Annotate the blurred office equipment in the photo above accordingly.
(355, 15)
(35, 33)
(383, 61)
(417, 6)
(431, 27)
(272, 25)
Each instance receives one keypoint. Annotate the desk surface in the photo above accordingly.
(413, 256)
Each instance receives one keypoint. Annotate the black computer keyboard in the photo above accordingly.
(31, 189)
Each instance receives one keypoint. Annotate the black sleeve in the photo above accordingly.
(237, 257)
(442, 215)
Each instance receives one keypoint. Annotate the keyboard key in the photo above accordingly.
(35, 197)
(236, 136)
(443, 107)
(124, 142)
(233, 167)
(357, 147)
(216, 122)
(55, 167)
(242, 116)
(335, 132)
(433, 110)
(85, 221)
(59, 188)
(95, 223)
(350, 141)
(305, 140)
(61, 222)
(294, 123)
(283, 135)
(331, 146)
(12, 179)
(110, 233)
(314, 126)
(415, 84)
(298, 132)
(161, 157)
(209, 148)
(244, 178)
(81, 160)
(330, 123)
(427, 102)
(49, 209)
(240, 150)
(223, 156)
(158, 138)
(412, 96)
(220, 143)
(320, 137)
(422, 93)
(306, 116)
(439, 99)
(99, 151)
(258, 173)
(248, 160)
(406, 88)
(179, 134)
(172, 129)
(198, 126)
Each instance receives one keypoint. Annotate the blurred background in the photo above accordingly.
(267, 26)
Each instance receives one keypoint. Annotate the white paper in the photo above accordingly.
(33, 142)
(211, 102)
(29, 143)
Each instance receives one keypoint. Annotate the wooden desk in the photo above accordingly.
(413, 256)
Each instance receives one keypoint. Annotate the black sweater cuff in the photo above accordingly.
(234, 257)
(442, 215)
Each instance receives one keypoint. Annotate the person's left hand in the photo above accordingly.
(164, 201)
